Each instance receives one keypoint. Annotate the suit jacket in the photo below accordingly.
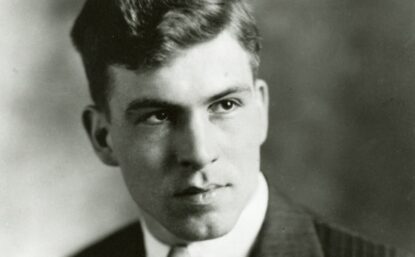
(288, 231)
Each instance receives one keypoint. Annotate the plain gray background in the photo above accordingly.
(342, 136)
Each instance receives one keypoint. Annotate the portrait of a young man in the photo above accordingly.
(178, 106)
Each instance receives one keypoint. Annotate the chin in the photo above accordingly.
(204, 228)
(192, 234)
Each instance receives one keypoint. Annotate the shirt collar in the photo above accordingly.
(243, 234)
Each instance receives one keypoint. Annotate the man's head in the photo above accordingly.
(185, 115)
(146, 34)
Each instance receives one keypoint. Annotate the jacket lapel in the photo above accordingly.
(287, 231)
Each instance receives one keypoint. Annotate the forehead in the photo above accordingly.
(195, 73)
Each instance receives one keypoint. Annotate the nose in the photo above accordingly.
(194, 143)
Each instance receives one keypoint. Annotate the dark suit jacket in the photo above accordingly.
(288, 231)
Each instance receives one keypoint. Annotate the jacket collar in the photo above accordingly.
(288, 231)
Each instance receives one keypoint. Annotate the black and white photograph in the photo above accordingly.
(207, 128)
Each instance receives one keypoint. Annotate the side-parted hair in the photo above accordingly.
(144, 35)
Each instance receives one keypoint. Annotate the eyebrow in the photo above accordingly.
(229, 91)
(146, 102)
(149, 103)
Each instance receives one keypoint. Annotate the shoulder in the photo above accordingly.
(336, 241)
(124, 242)
(290, 225)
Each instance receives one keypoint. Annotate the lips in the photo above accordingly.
(201, 195)
(197, 190)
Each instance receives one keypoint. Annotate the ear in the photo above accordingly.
(97, 127)
(261, 90)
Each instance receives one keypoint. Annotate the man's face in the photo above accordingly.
(187, 138)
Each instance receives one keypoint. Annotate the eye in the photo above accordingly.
(224, 106)
(156, 118)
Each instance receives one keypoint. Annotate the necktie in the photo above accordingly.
(178, 251)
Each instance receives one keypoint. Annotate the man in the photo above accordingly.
(179, 108)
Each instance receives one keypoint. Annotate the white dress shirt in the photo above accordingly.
(237, 243)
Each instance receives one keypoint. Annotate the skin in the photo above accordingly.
(187, 138)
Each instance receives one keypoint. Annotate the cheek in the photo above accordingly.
(242, 138)
(141, 156)
(143, 168)
(246, 129)
(241, 153)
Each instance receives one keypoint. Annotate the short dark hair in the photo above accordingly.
(145, 34)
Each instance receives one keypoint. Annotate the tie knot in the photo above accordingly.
(178, 251)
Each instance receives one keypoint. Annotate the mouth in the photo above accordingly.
(201, 195)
